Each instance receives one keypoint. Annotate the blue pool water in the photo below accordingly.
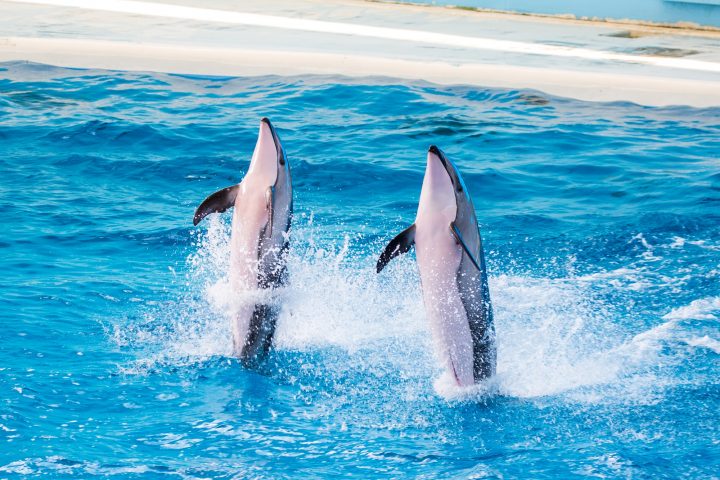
(602, 232)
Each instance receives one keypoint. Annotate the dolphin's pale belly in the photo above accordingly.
(438, 258)
(250, 218)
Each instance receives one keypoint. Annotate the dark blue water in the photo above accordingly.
(602, 232)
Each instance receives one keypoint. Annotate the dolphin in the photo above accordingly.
(258, 243)
(452, 272)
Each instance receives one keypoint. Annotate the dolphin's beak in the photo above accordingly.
(265, 159)
(266, 124)
(449, 167)
(438, 190)
(435, 172)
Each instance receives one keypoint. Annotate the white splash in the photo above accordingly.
(554, 337)
(446, 386)
(701, 309)
(704, 342)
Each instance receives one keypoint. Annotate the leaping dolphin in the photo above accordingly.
(452, 272)
(259, 241)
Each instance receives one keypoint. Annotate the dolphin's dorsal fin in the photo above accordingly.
(218, 202)
(397, 246)
(458, 237)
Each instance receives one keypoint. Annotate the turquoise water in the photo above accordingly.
(602, 233)
(700, 12)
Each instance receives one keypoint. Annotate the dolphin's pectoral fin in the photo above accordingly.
(217, 202)
(267, 231)
(269, 201)
(397, 246)
(458, 238)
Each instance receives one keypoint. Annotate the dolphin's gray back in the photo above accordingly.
(473, 287)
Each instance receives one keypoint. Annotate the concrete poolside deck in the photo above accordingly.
(586, 60)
